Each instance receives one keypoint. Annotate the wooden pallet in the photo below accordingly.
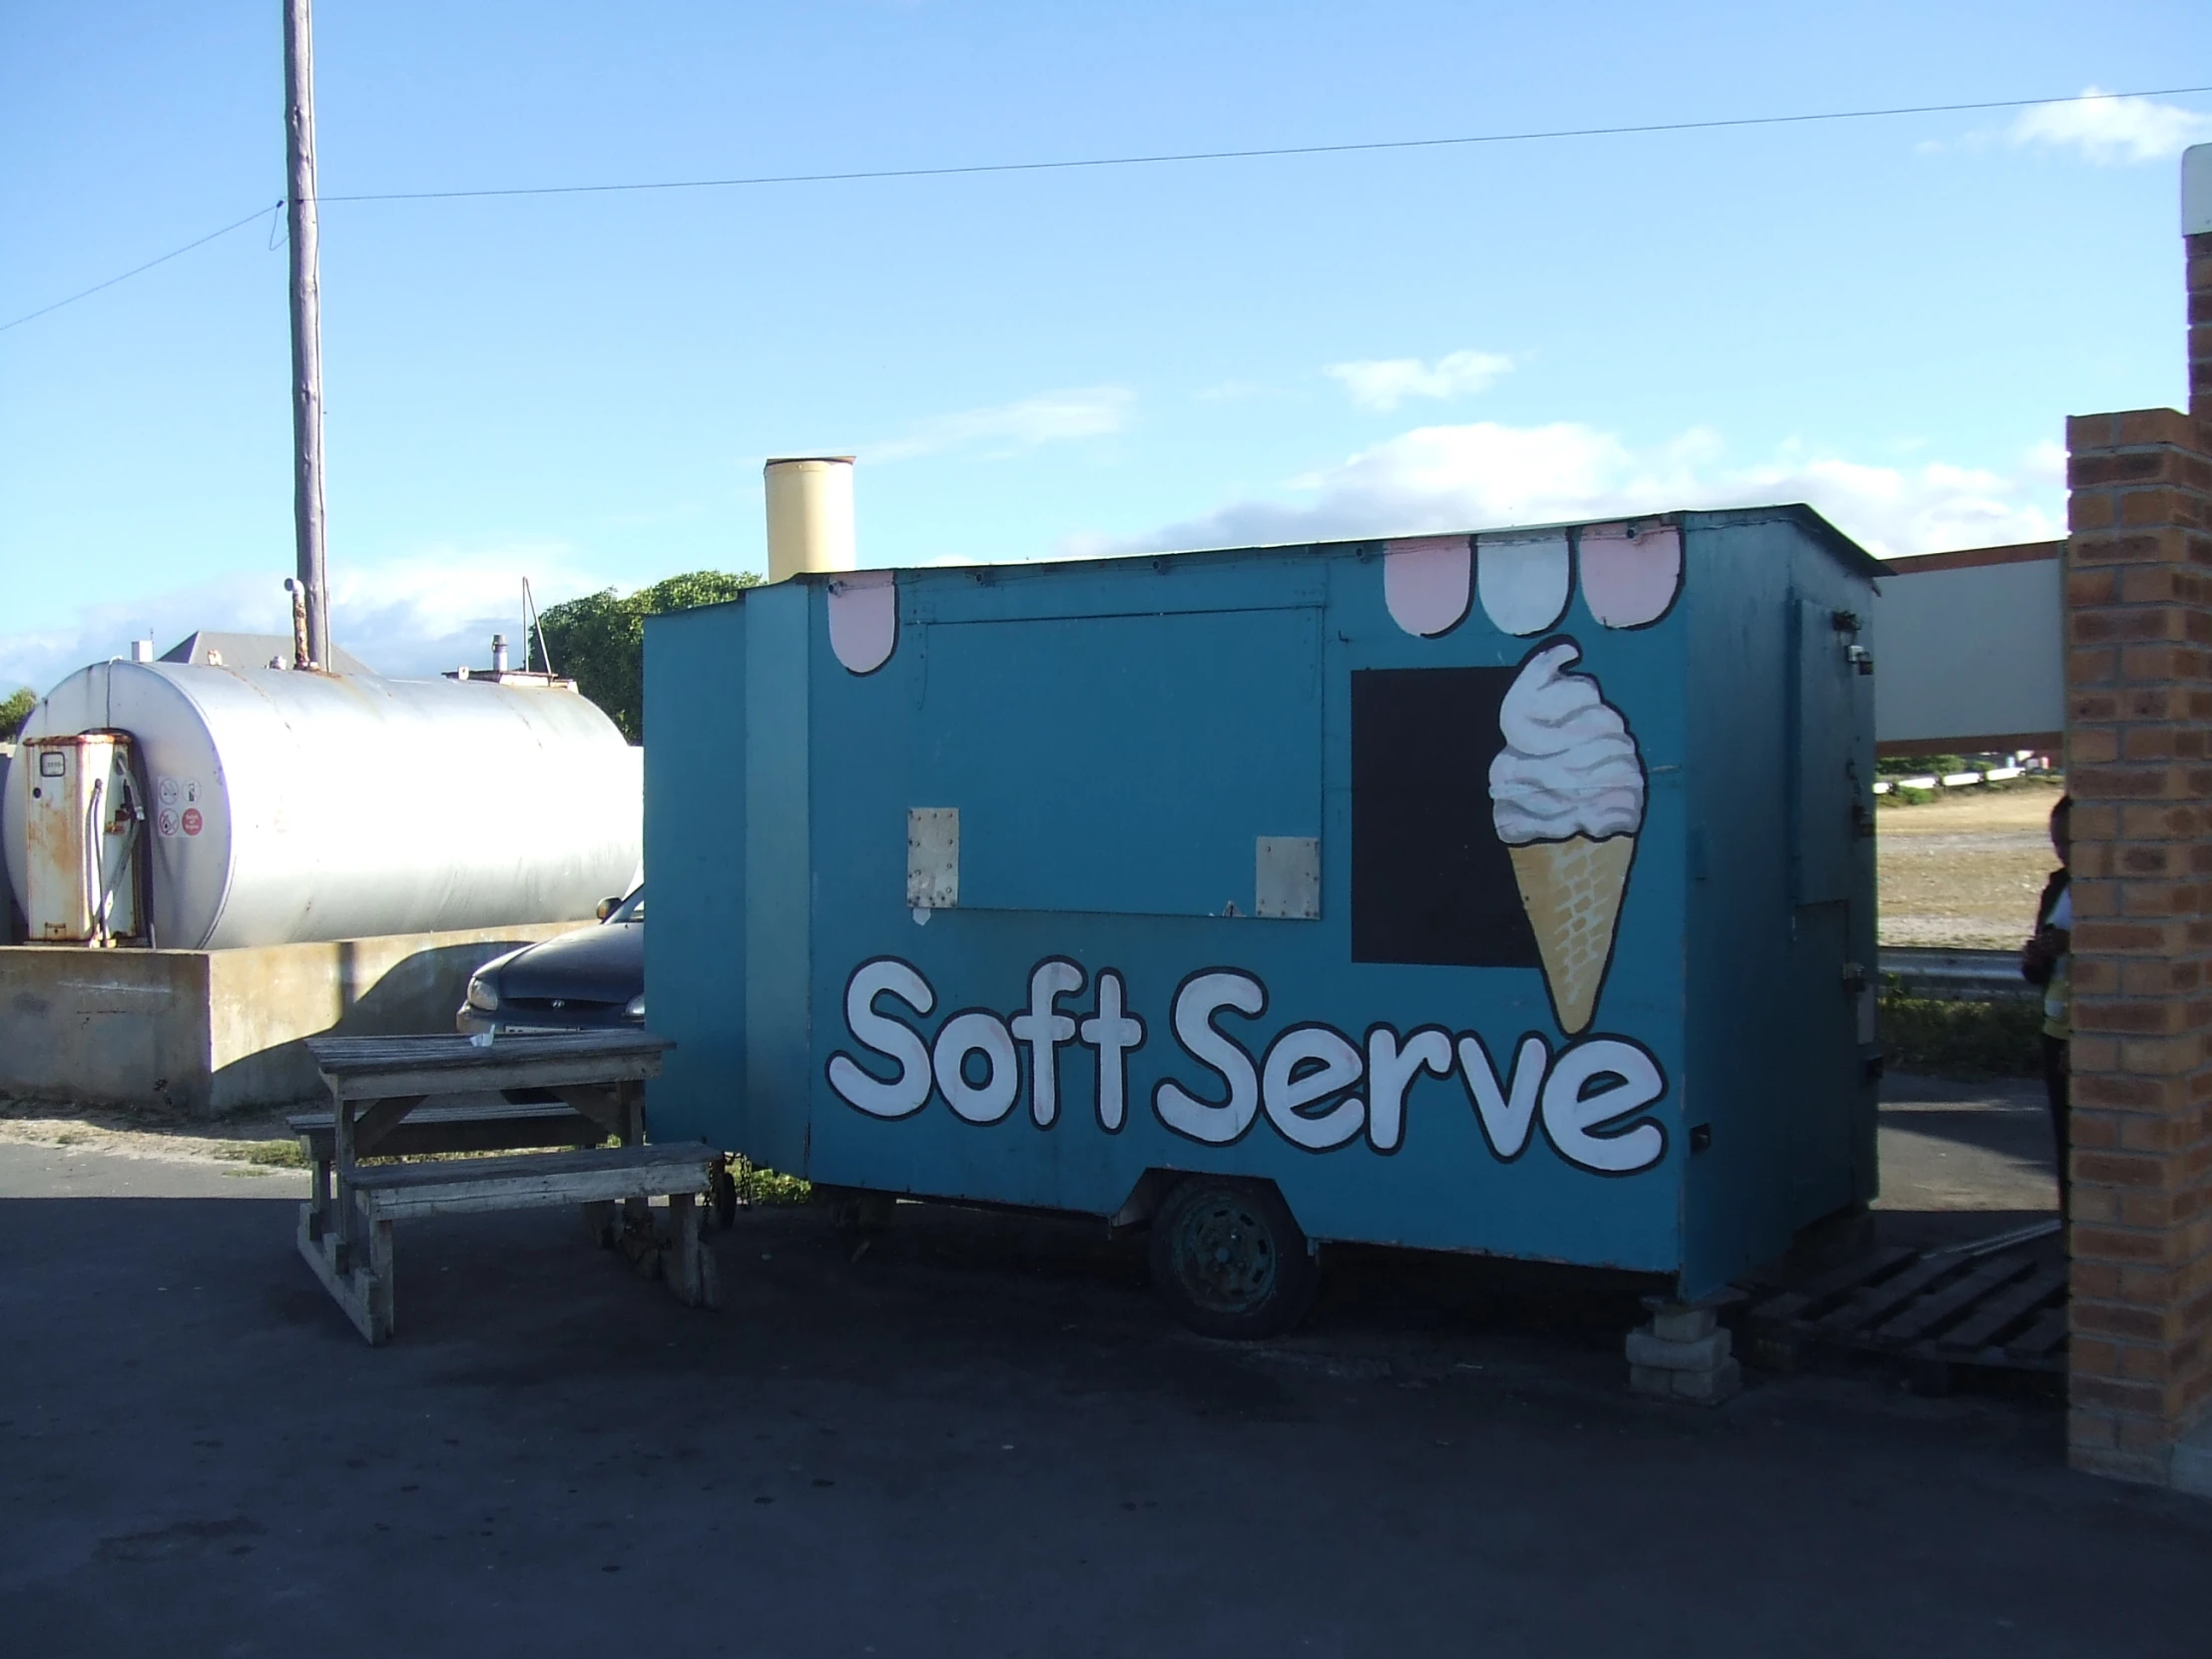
(2004, 1310)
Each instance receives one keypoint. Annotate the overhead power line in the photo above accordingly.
(1162, 158)
(1167, 159)
(87, 293)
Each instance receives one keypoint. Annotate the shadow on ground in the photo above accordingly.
(977, 1434)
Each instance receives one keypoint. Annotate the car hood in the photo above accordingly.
(593, 965)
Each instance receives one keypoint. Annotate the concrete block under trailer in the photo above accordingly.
(1503, 893)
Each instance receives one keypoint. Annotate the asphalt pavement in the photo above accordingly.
(1963, 1161)
(979, 1434)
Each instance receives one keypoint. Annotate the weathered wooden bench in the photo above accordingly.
(380, 1090)
(502, 1126)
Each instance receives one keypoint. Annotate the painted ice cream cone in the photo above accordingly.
(1572, 892)
(1567, 800)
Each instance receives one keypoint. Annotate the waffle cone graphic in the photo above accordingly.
(1571, 890)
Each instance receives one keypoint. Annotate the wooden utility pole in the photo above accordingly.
(306, 325)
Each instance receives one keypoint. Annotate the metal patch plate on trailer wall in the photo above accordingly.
(933, 858)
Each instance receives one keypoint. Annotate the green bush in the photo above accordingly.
(1905, 765)
(15, 709)
(599, 640)
(766, 1187)
(1961, 1039)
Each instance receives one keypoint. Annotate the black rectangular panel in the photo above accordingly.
(1431, 880)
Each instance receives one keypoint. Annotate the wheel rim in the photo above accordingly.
(1225, 1255)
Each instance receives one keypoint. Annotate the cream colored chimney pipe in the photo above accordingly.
(809, 514)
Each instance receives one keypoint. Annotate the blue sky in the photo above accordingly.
(1890, 318)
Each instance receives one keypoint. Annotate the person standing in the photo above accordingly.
(2045, 961)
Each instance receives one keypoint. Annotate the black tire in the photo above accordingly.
(1230, 1258)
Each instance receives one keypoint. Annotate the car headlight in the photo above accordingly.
(635, 1007)
(481, 996)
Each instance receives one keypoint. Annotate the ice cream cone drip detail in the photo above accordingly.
(1524, 580)
(1630, 577)
(1567, 800)
(1425, 583)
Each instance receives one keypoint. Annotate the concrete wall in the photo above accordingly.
(213, 1032)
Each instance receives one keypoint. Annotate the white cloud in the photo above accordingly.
(406, 617)
(430, 612)
(1233, 392)
(1048, 418)
(1486, 476)
(1386, 383)
(2109, 129)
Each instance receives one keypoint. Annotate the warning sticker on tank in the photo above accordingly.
(170, 792)
(166, 821)
(191, 820)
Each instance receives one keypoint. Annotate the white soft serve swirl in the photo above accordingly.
(1569, 767)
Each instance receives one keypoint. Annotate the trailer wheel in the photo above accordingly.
(1230, 1258)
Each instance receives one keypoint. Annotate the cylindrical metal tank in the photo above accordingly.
(810, 515)
(292, 806)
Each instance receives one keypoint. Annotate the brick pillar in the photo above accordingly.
(2139, 766)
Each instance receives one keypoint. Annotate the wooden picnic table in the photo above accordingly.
(382, 1092)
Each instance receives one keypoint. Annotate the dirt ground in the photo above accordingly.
(253, 1141)
(1964, 869)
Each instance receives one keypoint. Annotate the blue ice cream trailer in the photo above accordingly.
(1500, 892)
